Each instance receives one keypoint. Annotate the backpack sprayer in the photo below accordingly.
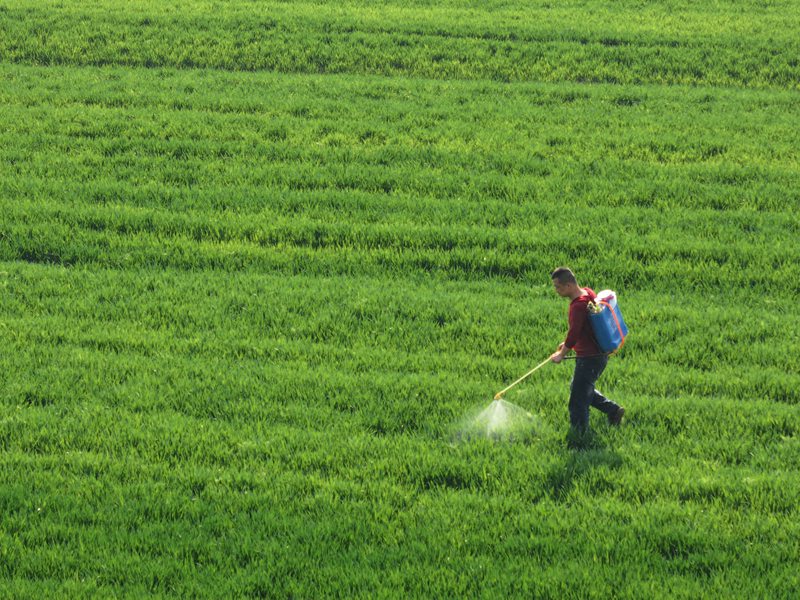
(607, 323)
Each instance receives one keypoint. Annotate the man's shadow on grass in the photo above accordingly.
(588, 459)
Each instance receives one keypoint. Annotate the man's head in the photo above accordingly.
(564, 282)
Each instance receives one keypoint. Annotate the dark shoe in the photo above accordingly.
(616, 418)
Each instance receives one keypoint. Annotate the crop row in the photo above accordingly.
(624, 44)
(714, 444)
(414, 359)
(607, 182)
(51, 242)
(764, 244)
(216, 419)
(374, 100)
(237, 212)
(206, 524)
(713, 156)
(306, 112)
(347, 335)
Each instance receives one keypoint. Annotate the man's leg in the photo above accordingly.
(603, 404)
(583, 393)
(580, 394)
(611, 409)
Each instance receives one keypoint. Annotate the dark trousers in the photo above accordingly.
(582, 394)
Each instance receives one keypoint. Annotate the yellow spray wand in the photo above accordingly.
(499, 394)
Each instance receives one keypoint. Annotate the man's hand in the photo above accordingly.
(558, 355)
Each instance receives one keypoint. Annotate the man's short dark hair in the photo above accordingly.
(563, 275)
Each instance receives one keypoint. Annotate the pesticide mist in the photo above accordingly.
(501, 420)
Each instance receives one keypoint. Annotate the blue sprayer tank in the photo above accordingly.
(608, 325)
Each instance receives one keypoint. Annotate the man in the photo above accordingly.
(590, 361)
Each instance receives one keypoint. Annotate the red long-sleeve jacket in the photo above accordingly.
(580, 336)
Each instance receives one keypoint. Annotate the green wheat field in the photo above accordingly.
(260, 260)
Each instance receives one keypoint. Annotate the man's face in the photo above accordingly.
(562, 289)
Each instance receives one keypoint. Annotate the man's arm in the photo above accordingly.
(577, 319)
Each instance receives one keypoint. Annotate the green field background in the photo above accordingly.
(260, 260)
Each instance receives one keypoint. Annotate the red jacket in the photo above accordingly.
(580, 336)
